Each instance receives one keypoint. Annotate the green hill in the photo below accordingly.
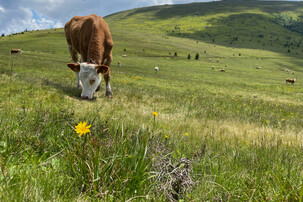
(233, 135)
(275, 26)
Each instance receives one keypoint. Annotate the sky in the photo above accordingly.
(20, 15)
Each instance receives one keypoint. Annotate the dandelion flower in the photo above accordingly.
(291, 113)
(82, 128)
(186, 136)
(166, 136)
(155, 113)
(283, 119)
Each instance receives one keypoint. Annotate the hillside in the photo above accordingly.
(273, 26)
(233, 135)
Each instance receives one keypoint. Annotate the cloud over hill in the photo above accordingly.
(19, 15)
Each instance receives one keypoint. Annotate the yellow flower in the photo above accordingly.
(186, 134)
(155, 113)
(166, 136)
(82, 128)
(283, 119)
(291, 113)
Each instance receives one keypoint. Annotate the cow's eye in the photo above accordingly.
(92, 81)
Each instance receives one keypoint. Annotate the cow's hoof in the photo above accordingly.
(108, 94)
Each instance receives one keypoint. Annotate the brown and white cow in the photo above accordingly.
(90, 37)
(292, 81)
(16, 51)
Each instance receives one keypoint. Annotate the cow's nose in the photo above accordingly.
(84, 97)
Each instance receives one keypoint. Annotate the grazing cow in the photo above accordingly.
(119, 64)
(222, 70)
(292, 81)
(125, 56)
(16, 51)
(213, 67)
(156, 69)
(90, 37)
(258, 67)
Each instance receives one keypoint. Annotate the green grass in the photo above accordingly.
(244, 125)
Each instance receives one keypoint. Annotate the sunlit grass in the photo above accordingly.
(234, 136)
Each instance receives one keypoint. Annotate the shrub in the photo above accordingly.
(197, 56)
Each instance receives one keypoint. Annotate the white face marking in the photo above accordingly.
(90, 79)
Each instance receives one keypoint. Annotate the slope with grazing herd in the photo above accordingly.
(216, 127)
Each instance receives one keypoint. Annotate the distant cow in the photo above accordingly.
(125, 56)
(90, 37)
(292, 81)
(213, 67)
(258, 67)
(222, 70)
(119, 64)
(156, 69)
(16, 51)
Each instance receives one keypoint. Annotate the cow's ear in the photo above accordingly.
(74, 66)
(103, 69)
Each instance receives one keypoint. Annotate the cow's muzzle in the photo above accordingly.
(85, 98)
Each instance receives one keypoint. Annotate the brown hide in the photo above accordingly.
(290, 81)
(89, 36)
(15, 51)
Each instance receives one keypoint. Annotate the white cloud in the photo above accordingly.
(156, 2)
(2, 10)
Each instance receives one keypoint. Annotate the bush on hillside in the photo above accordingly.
(197, 56)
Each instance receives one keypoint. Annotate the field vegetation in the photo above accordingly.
(233, 135)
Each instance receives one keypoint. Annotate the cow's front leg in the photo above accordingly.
(107, 83)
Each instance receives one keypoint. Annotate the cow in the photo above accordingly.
(222, 70)
(292, 81)
(16, 51)
(258, 67)
(119, 64)
(156, 69)
(90, 37)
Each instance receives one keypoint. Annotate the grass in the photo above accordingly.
(244, 125)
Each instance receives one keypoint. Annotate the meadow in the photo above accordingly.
(217, 136)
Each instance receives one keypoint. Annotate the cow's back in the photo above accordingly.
(89, 36)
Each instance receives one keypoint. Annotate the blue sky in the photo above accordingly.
(20, 15)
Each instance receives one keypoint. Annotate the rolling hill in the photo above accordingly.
(233, 135)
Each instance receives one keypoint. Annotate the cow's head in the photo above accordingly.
(89, 75)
